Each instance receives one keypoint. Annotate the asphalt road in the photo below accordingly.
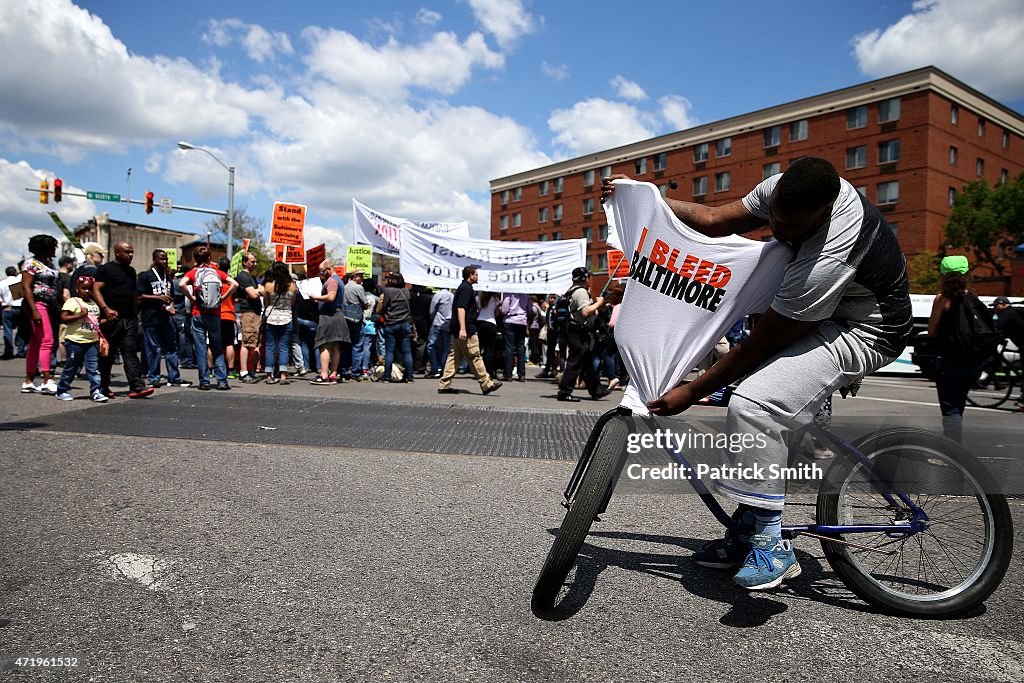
(372, 538)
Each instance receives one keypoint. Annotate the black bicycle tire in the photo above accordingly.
(1000, 367)
(592, 492)
(858, 581)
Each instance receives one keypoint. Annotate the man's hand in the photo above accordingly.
(109, 313)
(674, 401)
(607, 187)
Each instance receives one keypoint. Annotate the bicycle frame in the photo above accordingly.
(895, 497)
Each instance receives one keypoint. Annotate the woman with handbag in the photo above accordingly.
(279, 293)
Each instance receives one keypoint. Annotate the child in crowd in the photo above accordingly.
(81, 314)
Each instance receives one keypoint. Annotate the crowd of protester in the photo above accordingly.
(276, 327)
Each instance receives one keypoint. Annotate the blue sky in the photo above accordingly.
(412, 107)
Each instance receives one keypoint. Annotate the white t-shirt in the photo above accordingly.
(685, 290)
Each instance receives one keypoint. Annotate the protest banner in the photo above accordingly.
(618, 265)
(288, 224)
(360, 257)
(294, 255)
(172, 258)
(382, 231)
(314, 257)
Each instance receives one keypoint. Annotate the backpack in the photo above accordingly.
(207, 288)
(972, 333)
(560, 311)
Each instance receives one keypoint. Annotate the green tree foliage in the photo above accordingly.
(989, 221)
(924, 273)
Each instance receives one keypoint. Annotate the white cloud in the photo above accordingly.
(556, 72)
(980, 42)
(259, 43)
(597, 124)
(21, 214)
(627, 89)
(441, 64)
(427, 17)
(506, 20)
(85, 90)
(676, 111)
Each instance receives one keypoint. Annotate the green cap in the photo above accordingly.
(954, 264)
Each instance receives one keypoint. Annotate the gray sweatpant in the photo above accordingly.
(783, 392)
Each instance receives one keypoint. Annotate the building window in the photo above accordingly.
(588, 234)
(889, 193)
(517, 194)
(602, 232)
(517, 220)
(640, 166)
(503, 222)
(588, 177)
(981, 128)
(661, 161)
(545, 186)
(588, 206)
(700, 152)
(771, 169)
(954, 114)
(606, 171)
(798, 130)
(889, 110)
(700, 186)
(772, 136)
(857, 117)
(542, 214)
(602, 262)
(856, 157)
(862, 190)
(504, 196)
(723, 148)
(556, 235)
(557, 213)
(1004, 176)
(722, 181)
(979, 168)
(888, 151)
(559, 184)
(951, 196)
(895, 227)
(544, 238)
(1006, 139)
(952, 155)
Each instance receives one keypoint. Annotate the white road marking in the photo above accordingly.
(149, 571)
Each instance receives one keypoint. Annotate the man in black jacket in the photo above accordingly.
(1010, 324)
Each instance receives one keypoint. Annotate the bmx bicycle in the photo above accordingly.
(1001, 377)
(911, 522)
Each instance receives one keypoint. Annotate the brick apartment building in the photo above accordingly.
(908, 142)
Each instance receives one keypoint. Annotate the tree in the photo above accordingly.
(246, 226)
(988, 221)
(924, 273)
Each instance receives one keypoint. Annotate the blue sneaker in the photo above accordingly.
(728, 552)
(770, 562)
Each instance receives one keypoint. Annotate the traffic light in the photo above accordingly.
(44, 195)
(149, 202)
(58, 187)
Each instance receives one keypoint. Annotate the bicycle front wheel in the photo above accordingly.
(949, 567)
(995, 385)
(591, 497)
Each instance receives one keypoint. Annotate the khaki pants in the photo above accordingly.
(470, 350)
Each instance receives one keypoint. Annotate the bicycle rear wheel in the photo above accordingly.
(606, 461)
(995, 385)
(951, 566)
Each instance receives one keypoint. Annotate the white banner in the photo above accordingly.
(437, 260)
(382, 231)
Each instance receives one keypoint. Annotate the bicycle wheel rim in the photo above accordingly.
(936, 568)
(996, 390)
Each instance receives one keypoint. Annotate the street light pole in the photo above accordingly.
(231, 191)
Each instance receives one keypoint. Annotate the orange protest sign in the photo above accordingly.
(339, 271)
(279, 252)
(294, 255)
(617, 263)
(314, 257)
(288, 224)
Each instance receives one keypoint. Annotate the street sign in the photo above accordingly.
(102, 196)
(166, 205)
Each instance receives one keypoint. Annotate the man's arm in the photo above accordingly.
(97, 293)
(713, 221)
(772, 333)
(232, 286)
(184, 283)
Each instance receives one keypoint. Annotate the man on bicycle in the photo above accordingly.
(841, 312)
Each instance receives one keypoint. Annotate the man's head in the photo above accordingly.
(160, 260)
(94, 253)
(356, 276)
(326, 269)
(66, 263)
(224, 264)
(802, 199)
(250, 262)
(201, 255)
(580, 275)
(124, 252)
(470, 275)
(1001, 304)
(11, 271)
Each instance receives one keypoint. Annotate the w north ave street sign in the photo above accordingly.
(102, 196)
